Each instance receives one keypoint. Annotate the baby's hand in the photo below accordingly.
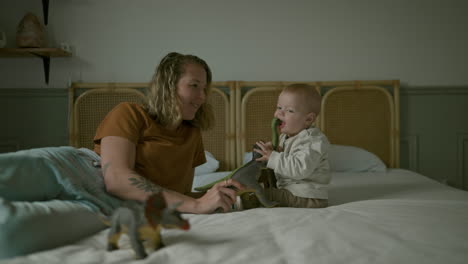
(265, 150)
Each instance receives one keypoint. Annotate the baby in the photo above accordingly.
(301, 168)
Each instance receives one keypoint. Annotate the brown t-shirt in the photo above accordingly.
(166, 157)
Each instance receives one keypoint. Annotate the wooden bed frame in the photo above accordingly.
(358, 113)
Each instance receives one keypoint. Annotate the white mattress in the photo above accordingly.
(393, 217)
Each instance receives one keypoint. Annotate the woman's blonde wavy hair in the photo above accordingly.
(163, 102)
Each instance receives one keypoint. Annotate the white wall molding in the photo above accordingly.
(462, 159)
(413, 147)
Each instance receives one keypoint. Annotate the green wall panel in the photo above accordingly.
(432, 121)
(33, 118)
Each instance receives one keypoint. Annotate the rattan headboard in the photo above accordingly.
(358, 113)
(90, 102)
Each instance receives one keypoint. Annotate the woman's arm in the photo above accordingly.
(118, 162)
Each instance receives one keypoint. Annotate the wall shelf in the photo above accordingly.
(44, 53)
(45, 10)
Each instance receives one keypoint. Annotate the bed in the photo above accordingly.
(378, 212)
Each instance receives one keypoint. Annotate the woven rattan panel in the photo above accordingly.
(92, 106)
(215, 140)
(257, 111)
(360, 118)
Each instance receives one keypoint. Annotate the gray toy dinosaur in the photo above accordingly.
(250, 173)
(144, 222)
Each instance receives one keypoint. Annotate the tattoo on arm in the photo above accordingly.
(144, 184)
(138, 181)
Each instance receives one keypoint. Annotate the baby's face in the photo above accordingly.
(292, 111)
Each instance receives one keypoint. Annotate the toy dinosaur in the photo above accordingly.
(250, 173)
(144, 223)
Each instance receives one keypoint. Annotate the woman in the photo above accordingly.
(156, 147)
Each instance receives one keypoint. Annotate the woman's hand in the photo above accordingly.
(221, 195)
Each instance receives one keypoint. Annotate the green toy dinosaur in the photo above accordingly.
(249, 173)
(143, 223)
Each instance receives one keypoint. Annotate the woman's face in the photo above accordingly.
(191, 90)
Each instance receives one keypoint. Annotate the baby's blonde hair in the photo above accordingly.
(312, 99)
(163, 102)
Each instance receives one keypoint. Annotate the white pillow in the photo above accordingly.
(353, 159)
(210, 166)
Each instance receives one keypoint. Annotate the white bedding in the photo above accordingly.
(393, 217)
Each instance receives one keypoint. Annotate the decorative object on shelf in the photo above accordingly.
(30, 32)
(30, 38)
(3, 40)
